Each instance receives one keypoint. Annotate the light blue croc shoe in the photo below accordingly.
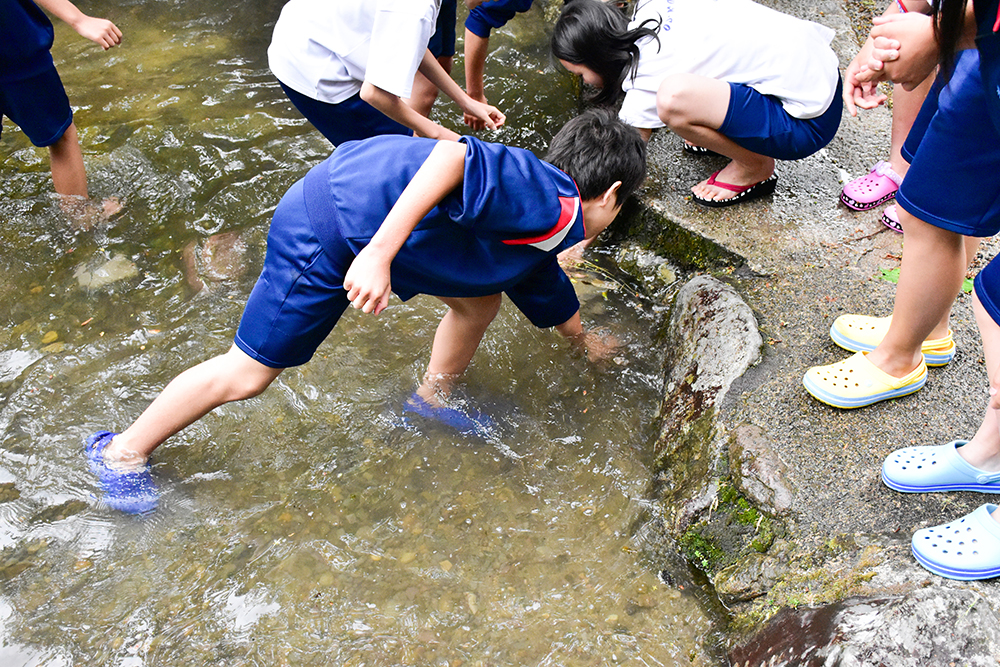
(936, 468)
(965, 549)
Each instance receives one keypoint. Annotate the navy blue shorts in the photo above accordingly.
(953, 148)
(38, 105)
(442, 42)
(988, 288)
(300, 294)
(345, 121)
(760, 124)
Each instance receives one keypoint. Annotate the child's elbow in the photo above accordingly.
(368, 92)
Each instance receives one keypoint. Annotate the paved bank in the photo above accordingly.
(801, 259)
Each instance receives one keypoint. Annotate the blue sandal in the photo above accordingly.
(965, 549)
(936, 468)
(468, 421)
(129, 490)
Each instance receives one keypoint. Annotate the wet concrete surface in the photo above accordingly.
(807, 259)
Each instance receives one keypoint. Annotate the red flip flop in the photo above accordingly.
(743, 192)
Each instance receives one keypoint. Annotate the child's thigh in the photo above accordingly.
(692, 98)
(39, 106)
(480, 310)
(955, 151)
(299, 296)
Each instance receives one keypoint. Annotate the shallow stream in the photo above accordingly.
(309, 525)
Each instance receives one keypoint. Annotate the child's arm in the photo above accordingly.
(477, 44)
(905, 47)
(394, 107)
(367, 281)
(479, 111)
(476, 48)
(101, 31)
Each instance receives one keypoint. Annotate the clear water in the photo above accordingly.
(308, 525)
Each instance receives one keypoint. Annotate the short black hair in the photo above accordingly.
(595, 34)
(596, 149)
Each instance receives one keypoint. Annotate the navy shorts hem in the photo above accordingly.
(299, 296)
(57, 136)
(952, 145)
(256, 356)
(941, 223)
(38, 105)
(985, 283)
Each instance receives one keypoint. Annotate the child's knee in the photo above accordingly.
(481, 310)
(241, 376)
(673, 99)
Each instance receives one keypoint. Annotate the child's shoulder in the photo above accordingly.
(512, 173)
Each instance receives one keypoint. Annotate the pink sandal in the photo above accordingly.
(743, 192)
(890, 218)
(874, 188)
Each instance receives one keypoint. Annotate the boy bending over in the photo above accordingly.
(464, 222)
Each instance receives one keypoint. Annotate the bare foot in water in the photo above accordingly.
(85, 213)
(735, 173)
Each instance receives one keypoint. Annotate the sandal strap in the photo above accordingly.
(883, 168)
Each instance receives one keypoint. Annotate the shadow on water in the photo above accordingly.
(309, 525)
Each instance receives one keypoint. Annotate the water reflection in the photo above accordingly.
(309, 525)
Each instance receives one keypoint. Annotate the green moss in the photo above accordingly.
(658, 232)
(701, 551)
(814, 578)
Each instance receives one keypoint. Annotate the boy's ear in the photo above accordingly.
(611, 194)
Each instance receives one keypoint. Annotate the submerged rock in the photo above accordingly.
(116, 269)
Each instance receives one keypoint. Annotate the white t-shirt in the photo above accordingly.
(737, 41)
(325, 49)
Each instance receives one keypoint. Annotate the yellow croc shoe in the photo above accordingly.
(856, 382)
(861, 333)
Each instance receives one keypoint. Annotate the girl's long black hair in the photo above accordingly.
(596, 35)
(949, 22)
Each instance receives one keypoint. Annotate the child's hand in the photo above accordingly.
(860, 94)
(367, 282)
(905, 50)
(100, 31)
(489, 116)
(472, 121)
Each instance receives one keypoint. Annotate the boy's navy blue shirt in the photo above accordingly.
(25, 40)
(499, 231)
(494, 14)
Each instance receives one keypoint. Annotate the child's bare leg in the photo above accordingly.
(69, 178)
(68, 174)
(455, 342)
(930, 278)
(905, 106)
(233, 376)
(695, 107)
(424, 92)
(983, 451)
